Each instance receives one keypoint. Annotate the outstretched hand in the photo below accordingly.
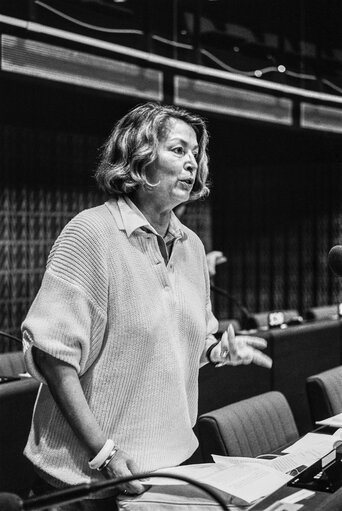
(242, 349)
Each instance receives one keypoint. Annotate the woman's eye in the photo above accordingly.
(179, 150)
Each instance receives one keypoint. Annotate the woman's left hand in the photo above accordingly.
(242, 349)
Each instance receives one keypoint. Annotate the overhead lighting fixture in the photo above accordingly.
(213, 97)
(50, 62)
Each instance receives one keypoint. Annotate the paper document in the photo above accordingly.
(316, 443)
(285, 464)
(334, 421)
(248, 481)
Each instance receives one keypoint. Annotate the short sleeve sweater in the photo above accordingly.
(134, 328)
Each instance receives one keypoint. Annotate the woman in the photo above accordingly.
(123, 320)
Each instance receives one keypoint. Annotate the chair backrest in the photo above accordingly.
(12, 363)
(258, 425)
(323, 312)
(16, 406)
(324, 391)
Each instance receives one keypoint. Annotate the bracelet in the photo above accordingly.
(108, 460)
(209, 350)
(102, 455)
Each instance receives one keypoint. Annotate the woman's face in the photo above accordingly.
(176, 165)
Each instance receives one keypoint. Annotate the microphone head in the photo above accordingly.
(10, 502)
(335, 260)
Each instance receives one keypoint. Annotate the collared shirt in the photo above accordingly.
(134, 329)
(134, 219)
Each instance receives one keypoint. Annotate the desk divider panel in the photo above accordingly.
(299, 352)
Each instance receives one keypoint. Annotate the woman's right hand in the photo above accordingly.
(121, 466)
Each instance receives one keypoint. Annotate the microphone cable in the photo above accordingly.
(12, 502)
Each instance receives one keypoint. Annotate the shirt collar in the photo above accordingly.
(175, 227)
(129, 218)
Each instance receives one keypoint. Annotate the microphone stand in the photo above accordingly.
(247, 321)
(12, 502)
(10, 336)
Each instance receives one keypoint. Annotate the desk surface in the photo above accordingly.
(177, 498)
(181, 497)
(173, 498)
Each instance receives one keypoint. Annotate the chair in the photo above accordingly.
(17, 400)
(254, 426)
(321, 313)
(324, 391)
(12, 363)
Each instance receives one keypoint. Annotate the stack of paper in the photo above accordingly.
(250, 479)
(246, 480)
(318, 444)
(334, 421)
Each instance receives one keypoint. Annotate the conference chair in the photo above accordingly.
(254, 426)
(321, 313)
(17, 400)
(12, 363)
(324, 391)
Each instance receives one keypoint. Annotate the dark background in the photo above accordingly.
(275, 206)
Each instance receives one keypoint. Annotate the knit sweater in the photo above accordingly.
(133, 327)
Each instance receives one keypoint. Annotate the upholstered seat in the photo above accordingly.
(251, 427)
(325, 393)
(17, 400)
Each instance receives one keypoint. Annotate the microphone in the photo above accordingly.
(335, 260)
(12, 502)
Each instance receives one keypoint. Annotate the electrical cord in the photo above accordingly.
(10, 336)
(60, 497)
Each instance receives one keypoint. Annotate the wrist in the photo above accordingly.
(104, 456)
(108, 459)
(209, 354)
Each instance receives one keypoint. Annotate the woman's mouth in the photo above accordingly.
(187, 182)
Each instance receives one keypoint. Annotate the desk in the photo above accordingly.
(172, 498)
(299, 352)
(180, 497)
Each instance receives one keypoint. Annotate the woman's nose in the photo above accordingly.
(191, 163)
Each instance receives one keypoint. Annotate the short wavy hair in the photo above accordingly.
(132, 147)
